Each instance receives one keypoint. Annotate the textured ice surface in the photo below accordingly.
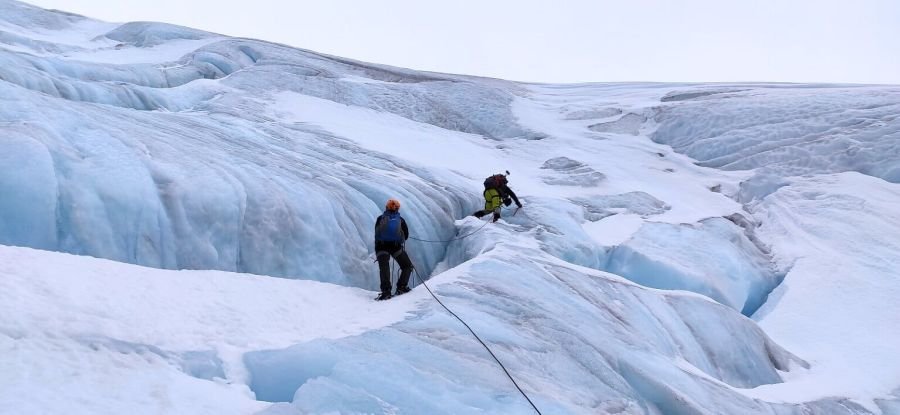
(639, 203)
(254, 195)
(149, 34)
(22, 15)
(837, 235)
(588, 114)
(713, 258)
(790, 130)
(571, 173)
(169, 147)
(627, 124)
(582, 325)
(268, 199)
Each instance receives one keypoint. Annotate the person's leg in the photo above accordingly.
(487, 205)
(494, 205)
(406, 268)
(384, 271)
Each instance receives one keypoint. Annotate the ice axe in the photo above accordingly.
(517, 207)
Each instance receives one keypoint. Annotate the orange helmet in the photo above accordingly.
(392, 204)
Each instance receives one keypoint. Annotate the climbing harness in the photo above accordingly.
(479, 340)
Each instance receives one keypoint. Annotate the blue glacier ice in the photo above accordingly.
(568, 322)
(713, 258)
(790, 130)
(169, 147)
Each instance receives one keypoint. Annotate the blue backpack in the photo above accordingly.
(388, 228)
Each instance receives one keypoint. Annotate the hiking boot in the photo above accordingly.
(383, 296)
(401, 290)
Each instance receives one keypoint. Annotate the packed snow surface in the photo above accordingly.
(683, 248)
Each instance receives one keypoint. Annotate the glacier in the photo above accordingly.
(187, 217)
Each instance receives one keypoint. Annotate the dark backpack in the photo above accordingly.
(389, 228)
(497, 181)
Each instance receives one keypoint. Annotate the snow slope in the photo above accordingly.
(837, 288)
(98, 336)
(655, 216)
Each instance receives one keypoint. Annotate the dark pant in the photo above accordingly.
(384, 269)
(482, 213)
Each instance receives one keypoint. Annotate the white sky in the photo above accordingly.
(563, 41)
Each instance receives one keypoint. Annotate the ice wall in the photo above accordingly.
(180, 165)
(204, 190)
(582, 342)
(179, 155)
(713, 258)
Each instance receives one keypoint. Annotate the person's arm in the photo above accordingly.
(404, 228)
(513, 195)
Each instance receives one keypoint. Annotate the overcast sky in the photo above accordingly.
(563, 41)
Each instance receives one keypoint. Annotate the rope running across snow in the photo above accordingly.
(479, 340)
(486, 347)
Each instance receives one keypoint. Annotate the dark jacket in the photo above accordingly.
(389, 246)
(505, 192)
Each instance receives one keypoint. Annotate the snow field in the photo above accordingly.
(172, 148)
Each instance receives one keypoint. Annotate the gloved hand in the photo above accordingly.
(496, 216)
(519, 205)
